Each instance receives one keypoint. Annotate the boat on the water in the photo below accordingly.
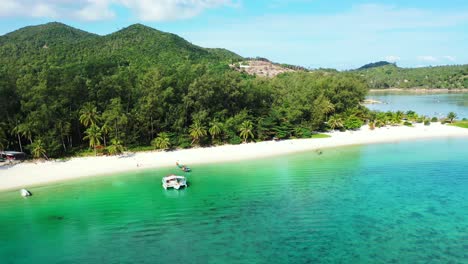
(25, 193)
(183, 167)
(174, 181)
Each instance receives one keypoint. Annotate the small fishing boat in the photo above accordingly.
(174, 181)
(183, 167)
(25, 193)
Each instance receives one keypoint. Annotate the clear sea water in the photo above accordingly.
(404, 202)
(434, 104)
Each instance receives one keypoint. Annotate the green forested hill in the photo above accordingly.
(391, 76)
(375, 64)
(55, 44)
(63, 90)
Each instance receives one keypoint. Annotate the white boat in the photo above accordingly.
(174, 181)
(25, 193)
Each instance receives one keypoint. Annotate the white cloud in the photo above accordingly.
(92, 10)
(427, 58)
(360, 34)
(43, 10)
(149, 10)
(392, 58)
(450, 58)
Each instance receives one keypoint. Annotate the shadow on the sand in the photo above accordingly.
(7, 165)
(127, 155)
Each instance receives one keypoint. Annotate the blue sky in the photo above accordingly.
(313, 33)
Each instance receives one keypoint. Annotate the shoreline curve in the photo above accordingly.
(33, 174)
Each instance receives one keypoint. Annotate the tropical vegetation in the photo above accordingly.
(383, 75)
(64, 91)
(162, 141)
(462, 124)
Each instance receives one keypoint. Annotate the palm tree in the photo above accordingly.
(88, 115)
(38, 150)
(451, 116)
(215, 129)
(395, 120)
(380, 122)
(64, 128)
(411, 115)
(197, 130)
(17, 131)
(93, 134)
(116, 147)
(105, 130)
(335, 122)
(328, 107)
(246, 130)
(399, 115)
(25, 131)
(2, 139)
(162, 141)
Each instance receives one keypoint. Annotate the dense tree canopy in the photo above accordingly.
(63, 90)
(391, 76)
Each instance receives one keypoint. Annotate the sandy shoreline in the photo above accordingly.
(29, 174)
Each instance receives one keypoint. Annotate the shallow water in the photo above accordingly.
(389, 203)
(438, 105)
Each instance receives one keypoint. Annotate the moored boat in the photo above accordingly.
(183, 167)
(25, 193)
(174, 181)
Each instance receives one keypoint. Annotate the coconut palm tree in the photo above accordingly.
(38, 149)
(89, 115)
(380, 122)
(105, 130)
(3, 139)
(411, 115)
(197, 131)
(246, 130)
(328, 107)
(215, 128)
(335, 122)
(64, 129)
(26, 131)
(451, 116)
(381, 119)
(17, 131)
(399, 115)
(162, 141)
(116, 147)
(93, 134)
(394, 120)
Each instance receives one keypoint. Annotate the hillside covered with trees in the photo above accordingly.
(375, 65)
(64, 91)
(384, 75)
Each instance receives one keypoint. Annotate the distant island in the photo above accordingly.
(384, 75)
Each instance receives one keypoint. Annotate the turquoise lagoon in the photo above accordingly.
(429, 104)
(403, 202)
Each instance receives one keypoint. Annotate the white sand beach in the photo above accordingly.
(29, 174)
